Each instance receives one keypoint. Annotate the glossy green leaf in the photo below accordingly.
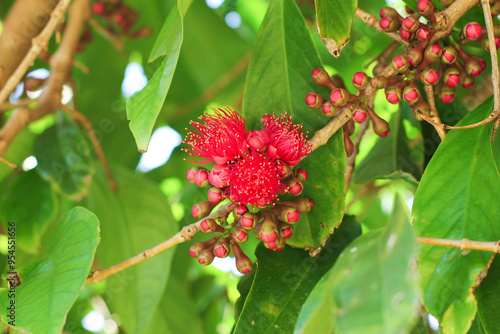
(488, 298)
(371, 288)
(32, 204)
(278, 79)
(334, 22)
(64, 159)
(390, 158)
(283, 280)
(134, 219)
(144, 107)
(454, 201)
(49, 287)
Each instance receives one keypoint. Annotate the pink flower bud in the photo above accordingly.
(430, 76)
(468, 82)
(241, 209)
(221, 248)
(389, 24)
(452, 77)
(248, 220)
(360, 80)
(328, 109)
(257, 139)
(191, 174)
(473, 68)
(209, 225)
(286, 230)
(219, 176)
(447, 94)
(473, 30)
(98, 7)
(433, 51)
(425, 7)
(301, 175)
(239, 235)
(393, 95)
(411, 94)
(405, 34)
(206, 257)
(215, 195)
(339, 97)
(423, 34)
(449, 55)
(289, 215)
(314, 100)
(400, 63)
(410, 24)
(359, 115)
(201, 178)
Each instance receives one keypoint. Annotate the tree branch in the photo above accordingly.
(84, 121)
(447, 18)
(60, 65)
(351, 161)
(39, 44)
(462, 244)
(434, 115)
(372, 21)
(184, 235)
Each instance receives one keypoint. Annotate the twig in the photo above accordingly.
(40, 43)
(429, 91)
(22, 103)
(117, 43)
(351, 162)
(447, 18)
(95, 142)
(495, 73)
(462, 244)
(372, 21)
(8, 163)
(184, 235)
(216, 87)
(488, 119)
(60, 65)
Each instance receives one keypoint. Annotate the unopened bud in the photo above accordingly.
(243, 262)
(393, 94)
(248, 220)
(389, 24)
(294, 186)
(449, 55)
(468, 82)
(329, 110)
(423, 34)
(472, 31)
(411, 94)
(202, 209)
(410, 24)
(206, 256)
(268, 230)
(197, 247)
(452, 77)
(400, 63)
(359, 115)
(222, 248)
(191, 174)
(339, 97)
(285, 230)
(301, 175)
(429, 76)
(314, 100)
(380, 126)
(209, 225)
(472, 67)
(201, 178)
(257, 139)
(215, 195)
(219, 176)
(289, 214)
(322, 78)
(301, 204)
(239, 235)
(447, 94)
(360, 80)
(426, 7)
(405, 34)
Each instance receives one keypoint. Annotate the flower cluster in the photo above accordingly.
(252, 168)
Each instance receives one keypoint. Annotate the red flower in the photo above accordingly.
(221, 137)
(287, 142)
(254, 180)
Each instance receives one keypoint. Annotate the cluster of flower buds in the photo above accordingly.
(340, 98)
(120, 18)
(251, 169)
(442, 64)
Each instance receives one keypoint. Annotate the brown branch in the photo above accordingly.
(495, 73)
(184, 235)
(216, 87)
(22, 103)
(372, 21)
(60, 65)
(117, 42)
(84, 121)
(8, 163)
(434, 116)
(488, 119)
(462, 244)
(447, 18)
(40, 43)
(351, 161)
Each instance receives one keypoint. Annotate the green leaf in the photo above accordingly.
(283, 280)
(144, 107)
(454, 201)
(334, 23)
(278, 79)
(49, 287)
(31, 203)
(371, 288)
(64, 160)
(390, 158)
(176, 312)
(488, 298)
(134, 219)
